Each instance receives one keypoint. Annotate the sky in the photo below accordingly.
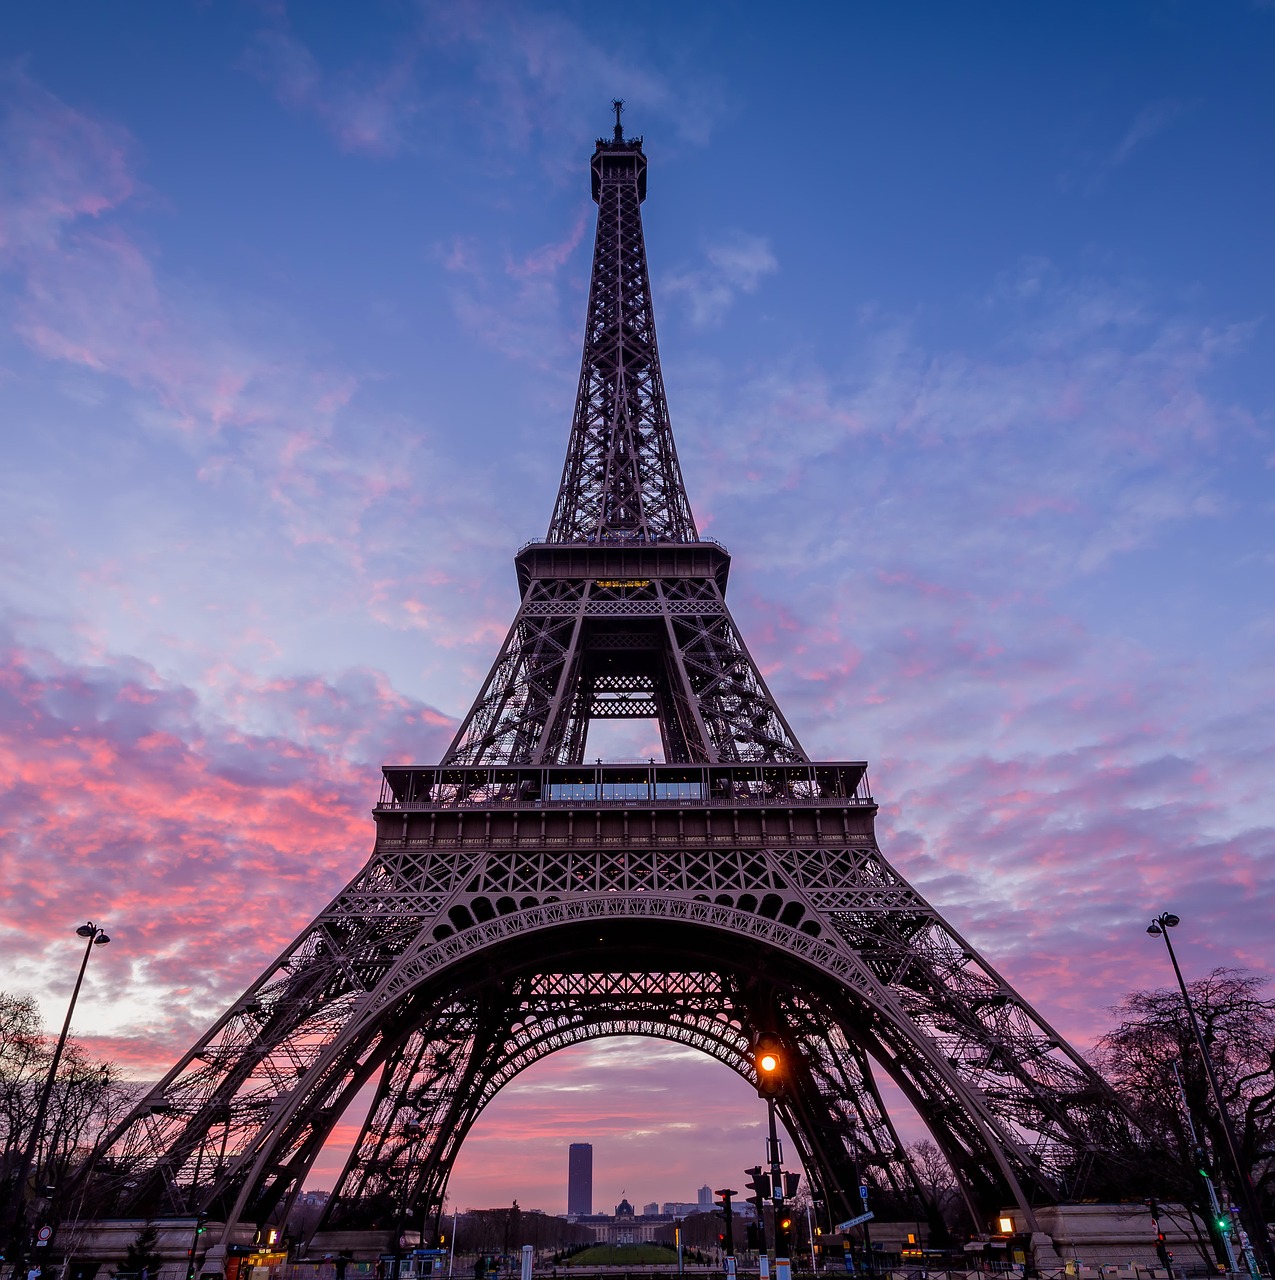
(965, 317)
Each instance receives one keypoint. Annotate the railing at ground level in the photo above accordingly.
(326, 1270)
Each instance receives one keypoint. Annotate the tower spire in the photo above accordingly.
(622, 481)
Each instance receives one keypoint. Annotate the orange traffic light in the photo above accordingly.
(769, 1060)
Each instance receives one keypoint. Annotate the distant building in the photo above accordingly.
(580, 1180)
(624, 1228)
(651, 1210)
(679, 1208)
(705, 1197)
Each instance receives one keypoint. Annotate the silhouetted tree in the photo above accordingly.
(87, 1097)
(1154, 1032)
(939, 1184)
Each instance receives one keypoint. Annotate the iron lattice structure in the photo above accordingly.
(519, 900)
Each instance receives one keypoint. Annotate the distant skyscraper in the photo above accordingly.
(705, 1197)
(580, 1178)
(651, 1210)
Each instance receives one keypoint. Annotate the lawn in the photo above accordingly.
(619, 1255)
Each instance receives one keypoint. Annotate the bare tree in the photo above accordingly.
(939, 1183)
(496, 1231)
(87, 1096)
(1154, 1033)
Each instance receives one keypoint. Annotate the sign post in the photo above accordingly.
(855, 1222)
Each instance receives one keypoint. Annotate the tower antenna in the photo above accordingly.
(618, 104)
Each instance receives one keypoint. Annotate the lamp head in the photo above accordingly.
(1169, 920)
(100, 940)
(86, 930)
(1154, 929)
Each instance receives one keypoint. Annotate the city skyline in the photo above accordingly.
(291, 322)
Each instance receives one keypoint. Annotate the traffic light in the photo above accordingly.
(791, 1182)
(759, 1184)
(724, 1211)
(752, 1237)
(783, 1236)
(1161, 1244)
(769, 1061)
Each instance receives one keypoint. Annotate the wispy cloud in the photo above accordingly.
(525, 307)
(368, 109)
(540, 74)
(57, 166)
(737, 262)
(1150, 121)
(89, 296)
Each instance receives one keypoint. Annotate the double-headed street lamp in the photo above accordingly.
(1258, 1236)
(95, 936)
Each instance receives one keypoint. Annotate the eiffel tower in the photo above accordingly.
(520, 899)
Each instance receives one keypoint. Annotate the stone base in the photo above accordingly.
(359, 1246)
(1114, 1235)
(96, 1248)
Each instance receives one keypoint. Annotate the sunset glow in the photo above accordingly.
(965, 330)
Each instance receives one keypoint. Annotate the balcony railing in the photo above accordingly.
(837, 784)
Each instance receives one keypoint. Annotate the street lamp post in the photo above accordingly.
(768, 1059)
(1222, 1227)
(95, 936)
(1159, 928)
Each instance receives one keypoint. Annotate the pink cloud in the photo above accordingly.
(57, 165)
(203, 845)
(366, 108)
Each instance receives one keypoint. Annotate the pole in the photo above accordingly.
(19, 1209)
(810, 1232)
(1257, 1227)
(194, 1235)
(451, 1256)
(867, 1235)
(1208, 1182)
(783, 1265)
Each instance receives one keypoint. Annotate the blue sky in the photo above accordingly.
(964, 313)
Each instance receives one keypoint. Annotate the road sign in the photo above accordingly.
(43, 1236)
(854, 1222)
(863, 1191)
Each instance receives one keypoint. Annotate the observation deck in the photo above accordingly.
(816, 803)
(832, 784)
(622, 558)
